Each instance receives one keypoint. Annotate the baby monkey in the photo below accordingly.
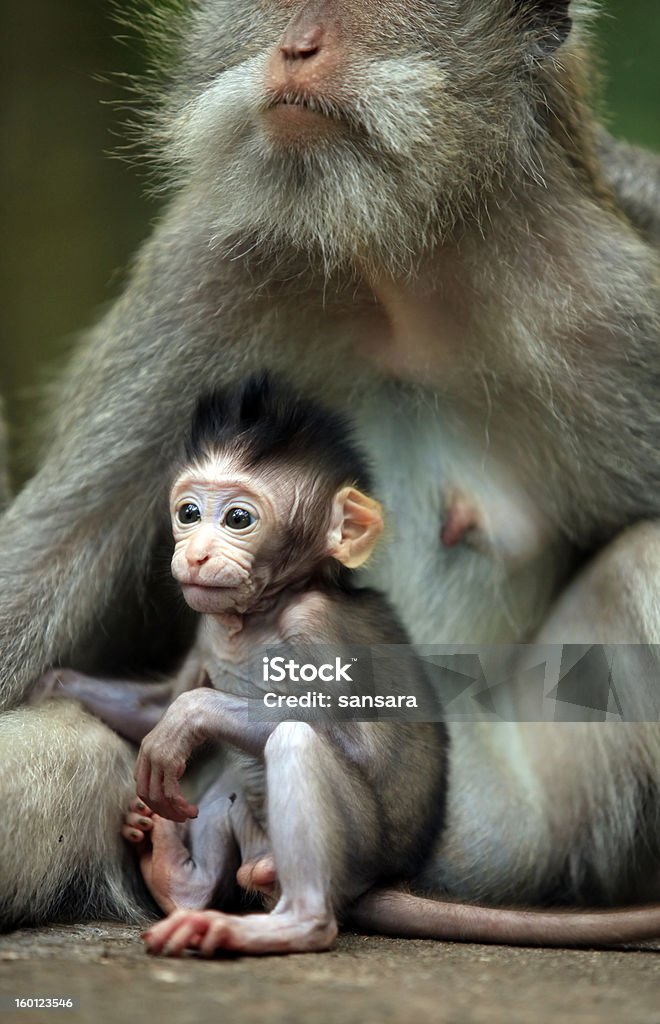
(271, 517)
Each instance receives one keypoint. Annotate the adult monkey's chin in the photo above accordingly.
(343, 181)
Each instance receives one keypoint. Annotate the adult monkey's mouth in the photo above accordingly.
(299, 118)
(304, 101)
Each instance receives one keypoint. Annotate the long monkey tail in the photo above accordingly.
(402, 915)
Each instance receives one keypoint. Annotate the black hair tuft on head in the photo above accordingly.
(261, 420)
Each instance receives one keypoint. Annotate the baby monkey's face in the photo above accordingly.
(224, 521)
(242, 533)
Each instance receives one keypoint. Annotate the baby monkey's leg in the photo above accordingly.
(257, 874)
(323, 828)
(190, 865)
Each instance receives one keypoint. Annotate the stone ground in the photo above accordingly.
(364, 980)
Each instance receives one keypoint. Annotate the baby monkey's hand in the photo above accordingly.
(162, 760)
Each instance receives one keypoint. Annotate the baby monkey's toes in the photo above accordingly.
(138, 822)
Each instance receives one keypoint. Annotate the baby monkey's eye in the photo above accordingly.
(239, 519)
(188, 514)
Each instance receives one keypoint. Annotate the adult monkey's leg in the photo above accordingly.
(569, 810)
(602, 780)
(66, 783)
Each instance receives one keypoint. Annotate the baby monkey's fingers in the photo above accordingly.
(158, 787)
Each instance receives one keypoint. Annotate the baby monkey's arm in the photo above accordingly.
(131, 709)
(192, 719)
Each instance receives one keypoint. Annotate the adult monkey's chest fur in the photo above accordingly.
(467, 593)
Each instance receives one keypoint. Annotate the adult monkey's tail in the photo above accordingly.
(403, 915)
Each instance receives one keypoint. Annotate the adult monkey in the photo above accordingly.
(408, 217)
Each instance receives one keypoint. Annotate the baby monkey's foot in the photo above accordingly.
(210, 932)
(138, 823)
(168, 870)
(137, 829)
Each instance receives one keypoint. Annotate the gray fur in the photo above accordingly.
(634, 176)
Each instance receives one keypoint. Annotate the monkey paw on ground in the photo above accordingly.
(210, 932)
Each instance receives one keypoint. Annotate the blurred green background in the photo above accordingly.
(72, 216)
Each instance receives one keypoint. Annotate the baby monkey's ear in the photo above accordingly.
(356, 524)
